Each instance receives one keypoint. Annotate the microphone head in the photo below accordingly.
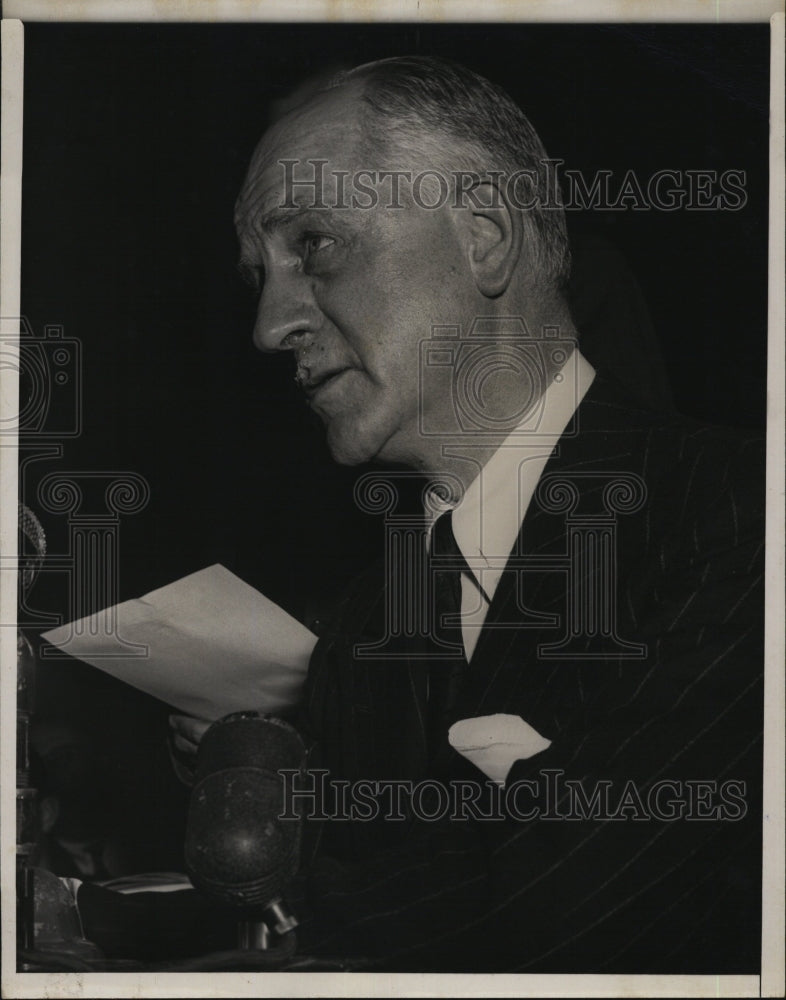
(238, 850)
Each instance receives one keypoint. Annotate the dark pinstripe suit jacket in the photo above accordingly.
(636, 894)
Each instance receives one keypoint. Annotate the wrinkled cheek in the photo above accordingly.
(344, 291)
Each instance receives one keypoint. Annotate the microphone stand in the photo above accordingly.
(255, 934)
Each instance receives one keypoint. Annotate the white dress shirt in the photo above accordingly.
(487, 519)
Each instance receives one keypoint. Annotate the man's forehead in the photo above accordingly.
(326, 128)
(329, 124)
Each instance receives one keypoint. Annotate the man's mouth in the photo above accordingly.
(316, 383)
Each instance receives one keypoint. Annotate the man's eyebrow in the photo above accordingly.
(278, 218)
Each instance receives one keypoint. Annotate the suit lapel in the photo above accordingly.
(529, 603)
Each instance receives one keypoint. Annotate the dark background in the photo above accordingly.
(136, 141)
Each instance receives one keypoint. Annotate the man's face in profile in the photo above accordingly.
(351, 291)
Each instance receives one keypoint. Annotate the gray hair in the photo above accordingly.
(434, 98)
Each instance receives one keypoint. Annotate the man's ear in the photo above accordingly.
(494, 233)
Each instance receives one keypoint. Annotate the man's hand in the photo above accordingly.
(185, 732)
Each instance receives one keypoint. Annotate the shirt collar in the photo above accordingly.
(488, 518)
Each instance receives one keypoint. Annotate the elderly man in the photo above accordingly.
(584, 685)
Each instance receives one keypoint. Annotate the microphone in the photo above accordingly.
(238, 852)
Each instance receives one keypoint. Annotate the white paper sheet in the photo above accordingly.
(214, 645)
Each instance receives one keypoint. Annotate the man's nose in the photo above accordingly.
(286, 312)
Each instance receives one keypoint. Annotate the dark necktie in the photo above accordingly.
(449, 665)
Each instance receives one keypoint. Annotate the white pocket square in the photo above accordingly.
(495, 742)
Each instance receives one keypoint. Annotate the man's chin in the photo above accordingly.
(352, 443)
(347, 448)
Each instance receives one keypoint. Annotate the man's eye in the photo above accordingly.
(314, 243)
